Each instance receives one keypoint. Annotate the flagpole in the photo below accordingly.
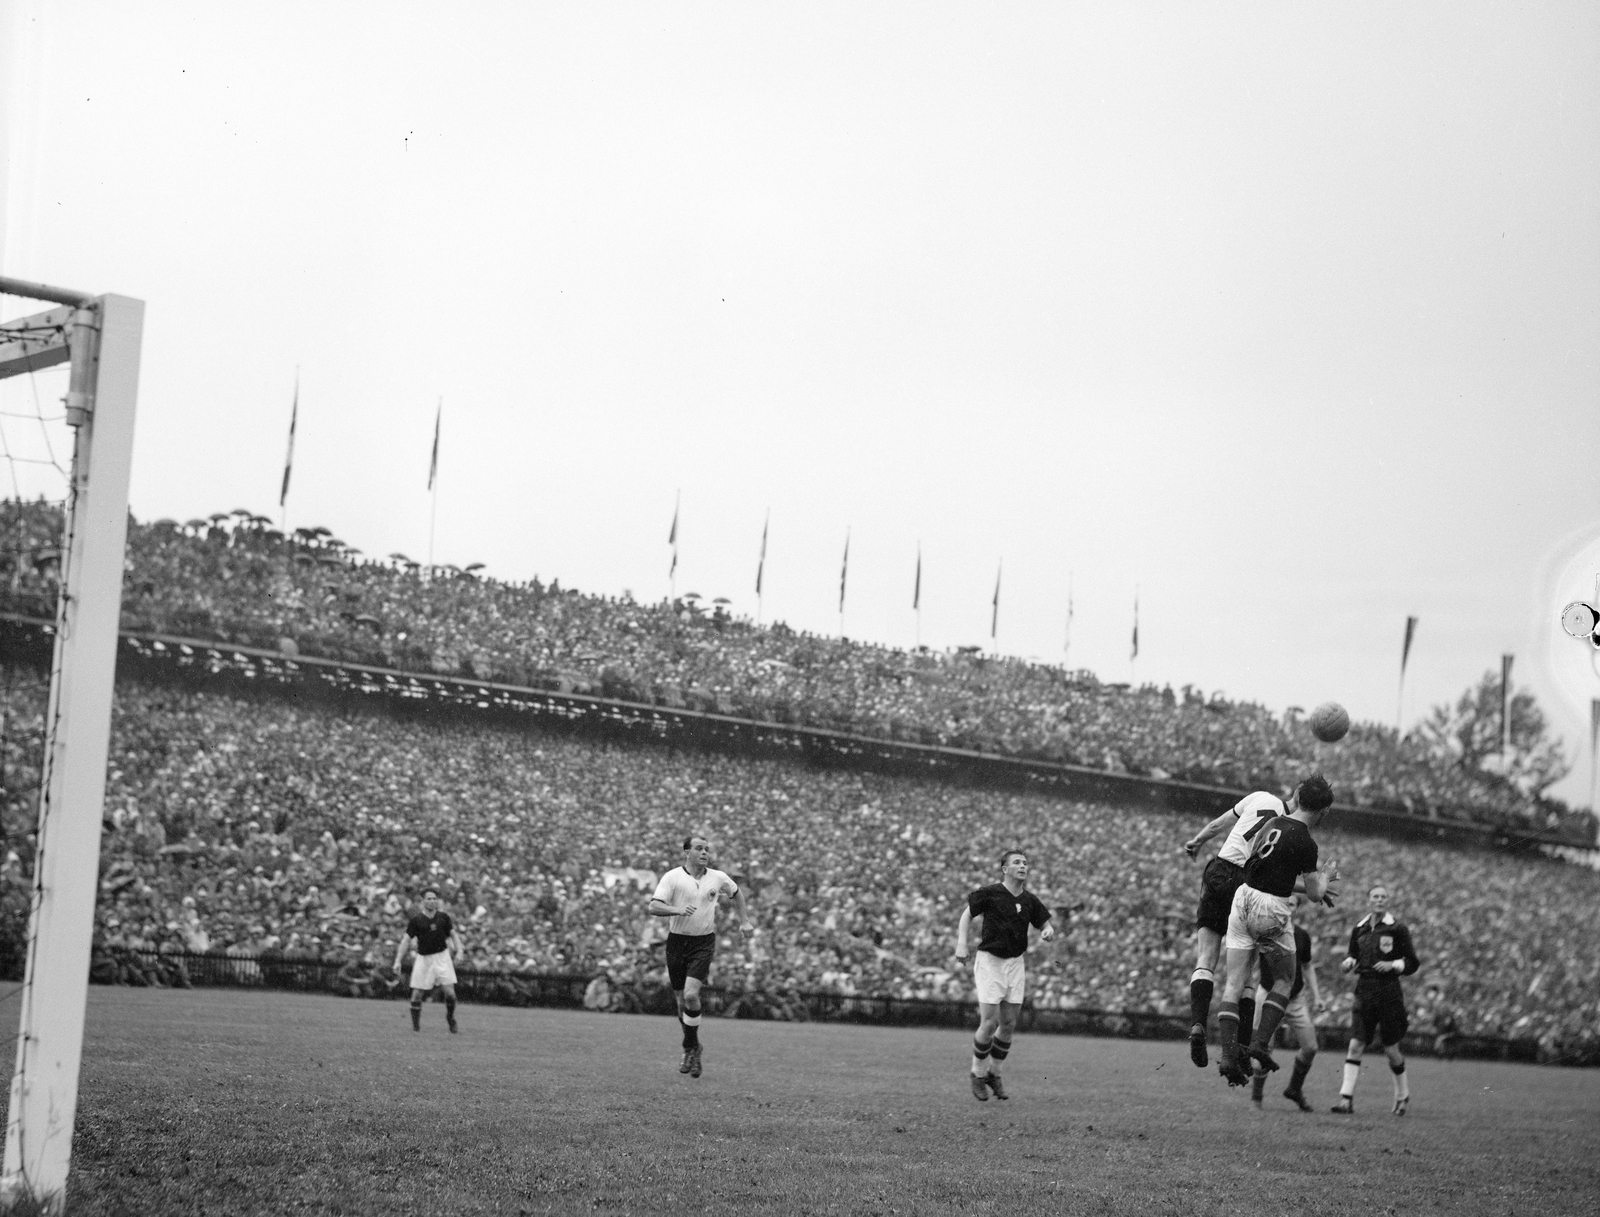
(1400, 697)
(761, 566)
(844, 573)
(916, 596)
(288, 460)
(1133, 659)
(672, 540)
(1066, 644)
(433, 483)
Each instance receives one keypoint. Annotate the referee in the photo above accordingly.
(1380, 953)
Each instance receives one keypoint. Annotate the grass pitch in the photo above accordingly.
(224, 1102)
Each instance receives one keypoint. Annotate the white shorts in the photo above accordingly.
(430, 970)
(997, 979)
(1260, 922)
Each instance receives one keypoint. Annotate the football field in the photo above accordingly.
(226, 1102)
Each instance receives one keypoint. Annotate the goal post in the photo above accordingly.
(102, 340)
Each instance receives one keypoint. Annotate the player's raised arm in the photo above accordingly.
(1317, 881)
(1221, 824)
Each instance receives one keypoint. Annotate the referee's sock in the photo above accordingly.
(690, 1018)
(1402, 1089)
(1352, 1071)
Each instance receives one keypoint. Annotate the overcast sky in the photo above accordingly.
(1284, 318)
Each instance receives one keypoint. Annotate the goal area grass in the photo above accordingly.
(227, 1102)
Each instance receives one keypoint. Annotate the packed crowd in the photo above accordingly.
(251, 826)
(234, 579)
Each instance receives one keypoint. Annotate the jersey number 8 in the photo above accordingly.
(1268, 843)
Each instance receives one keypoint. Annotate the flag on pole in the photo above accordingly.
(1505, 706)
(1405, 651)
(433, 461)
(1066, 644)
(1594, 753)
(994, 613)
(916, 587)
(761, 565)
(288, 457)
(1135, 654)
(672, 537)
(844, 569)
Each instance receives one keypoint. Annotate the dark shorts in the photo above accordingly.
(1379, 1016)
(689, 955)
(1217, 885)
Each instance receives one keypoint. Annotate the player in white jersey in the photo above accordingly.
(1220, 880)
(688, 895)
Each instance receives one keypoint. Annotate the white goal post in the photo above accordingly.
(101, 337)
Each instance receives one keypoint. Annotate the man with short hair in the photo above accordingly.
(1305, 995)
(1283, 860)
(688, 894)
(432, 935)
(1218, 882)
(1380, 953)
(1004, 912)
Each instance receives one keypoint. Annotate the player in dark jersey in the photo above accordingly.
(1380, 953)
(1305, 997)
(432, 935)
(1283, 860)
(1004, 910)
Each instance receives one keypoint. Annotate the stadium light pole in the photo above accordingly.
(101, 336)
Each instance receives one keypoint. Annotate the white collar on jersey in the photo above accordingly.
(1386, 919)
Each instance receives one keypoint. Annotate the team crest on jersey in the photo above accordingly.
(1386, 943)
(1019, 906)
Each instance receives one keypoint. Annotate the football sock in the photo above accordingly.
(980, 1056)
(1352, 1070)
(1298, 1077)
(1247, 1015)
(1200, 986)
(691, 1025)
(450, 1008)
(1271, 1015)
(416, 1014)
(1228, 1029)
(1402, 1090)
(999, 1049)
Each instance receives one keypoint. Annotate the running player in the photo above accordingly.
(688, 894)
(432, 935)
(1283, 859)
(1380, 953)
(1004, 911)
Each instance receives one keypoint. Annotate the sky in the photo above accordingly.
(1283, 321)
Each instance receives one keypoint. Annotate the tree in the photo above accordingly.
(1468, 734)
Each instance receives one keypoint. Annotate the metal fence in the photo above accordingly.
(573, 990)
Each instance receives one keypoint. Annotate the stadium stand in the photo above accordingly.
(233, 579)
(271, 834)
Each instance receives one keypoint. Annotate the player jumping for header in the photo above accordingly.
(688, 894)
(1283, 858)
(1004, 912)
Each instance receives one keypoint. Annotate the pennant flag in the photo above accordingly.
(288, 457)
(672, 537)
(994, 615)
(1594, 752)
(916, 587)
(433, 461)
(1405, 651)
(1505, 705)
(1135, 654)
(844, 569)
(1066, 644)
(761, 565)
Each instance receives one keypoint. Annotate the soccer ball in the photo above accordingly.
(1329, 722)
